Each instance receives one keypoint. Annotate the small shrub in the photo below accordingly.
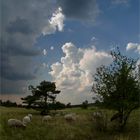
(85, 104)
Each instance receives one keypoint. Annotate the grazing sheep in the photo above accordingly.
(70, 117)
(16, 123)
(62, 113)
(46, 118)
(97, 115)
(26, 119)
(57, 115)
(30, 115)
(100, 121)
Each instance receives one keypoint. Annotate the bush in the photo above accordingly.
(85, 104)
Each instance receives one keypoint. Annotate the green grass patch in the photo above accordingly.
(59, 129)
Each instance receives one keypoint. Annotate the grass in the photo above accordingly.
(59, 129)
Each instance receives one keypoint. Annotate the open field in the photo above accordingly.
(59, 129)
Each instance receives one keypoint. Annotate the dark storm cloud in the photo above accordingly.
(19, 26)
(9, 87)
(16, 76)
(22, 23)
(12, 72)
(80, 9)
(12, 54)
(11, 47)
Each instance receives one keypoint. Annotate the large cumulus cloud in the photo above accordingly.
(73, 73)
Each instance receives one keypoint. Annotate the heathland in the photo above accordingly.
(60, 129)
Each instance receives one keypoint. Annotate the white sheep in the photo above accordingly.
(70, 117)
(97, 114)
(46, 118)
(100, 120)
(30, 115)
(16, 123)
(26, 119)
(58, 115)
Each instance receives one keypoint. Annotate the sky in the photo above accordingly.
(63, 41)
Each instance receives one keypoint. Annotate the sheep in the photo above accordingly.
(62, 113)
(16, 123)
(70, 117)
(30, 115)
(46, 118)
(26, 119)
(58, 115)
(100, 121)
(97, 115)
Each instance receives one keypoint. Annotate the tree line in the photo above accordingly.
(8, 103)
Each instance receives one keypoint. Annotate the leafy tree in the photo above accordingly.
(68, 105)
(85, 104)
(42, 95)
(59, 105)
(0, 102)
(118, 86)
(56, 105)
(29, 100)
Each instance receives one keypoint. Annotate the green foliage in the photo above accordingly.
(68, 105)
(85, 104)
(118, 86)
(55, 106)
(42, 95)
(29, 100)
(8, 103)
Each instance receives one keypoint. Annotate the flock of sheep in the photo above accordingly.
(96, 116)
(19, 123)
(27, 119)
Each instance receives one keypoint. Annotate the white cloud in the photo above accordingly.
(22, 23)
(93, 38)
(57, 19)
(133, 46)
(44, 52)
(73, 73)
(52, 48)
(56, 69)
(55, 23)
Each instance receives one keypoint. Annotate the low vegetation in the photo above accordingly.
(60, 129)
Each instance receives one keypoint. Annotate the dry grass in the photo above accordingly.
(59, 129)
